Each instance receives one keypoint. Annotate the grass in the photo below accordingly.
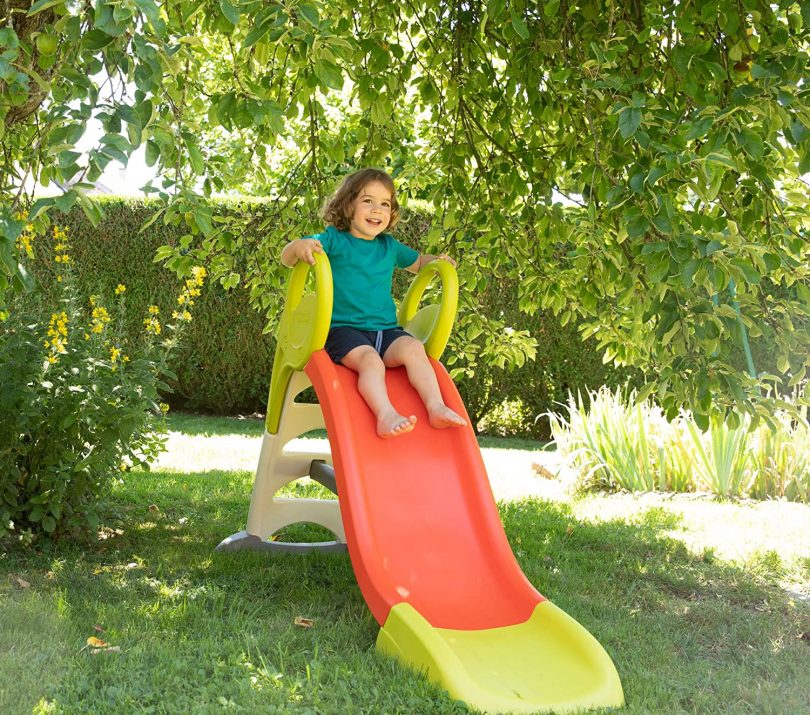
(253, 426)
(690, 630)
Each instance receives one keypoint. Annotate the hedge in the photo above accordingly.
(224, 364)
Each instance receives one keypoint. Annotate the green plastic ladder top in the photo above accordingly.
(305, 321)
(302, 330)
(433, 323)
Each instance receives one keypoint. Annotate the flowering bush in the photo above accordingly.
(80, 402)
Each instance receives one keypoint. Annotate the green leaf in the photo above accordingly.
(48, 523)
(721, 159)
(519, 24)
(760, 72)
(26, 278)
(9, 39)
(256, 34)
(41, 5)
(689, 270)
(329, 74)
(654, 174)
(195, 156)
(230, 11)
(152, 153)
(751, 143)
(96, 39)
(637, 226)
(310, 14)
(751, 274)
(629, 121)
(699, 128)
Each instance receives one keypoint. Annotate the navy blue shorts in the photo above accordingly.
(343, 339)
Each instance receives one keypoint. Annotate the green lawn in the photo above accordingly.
(689, 630)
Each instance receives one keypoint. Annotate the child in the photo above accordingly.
(364, 334)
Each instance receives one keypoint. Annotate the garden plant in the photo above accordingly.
(80, 398)
(619, 442)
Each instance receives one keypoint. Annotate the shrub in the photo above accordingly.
(79, 396)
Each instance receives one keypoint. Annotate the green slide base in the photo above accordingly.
(549, 663)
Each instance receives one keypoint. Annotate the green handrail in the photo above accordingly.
(305, 322)
(302, 330)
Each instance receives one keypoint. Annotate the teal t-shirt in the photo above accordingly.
(362, 271)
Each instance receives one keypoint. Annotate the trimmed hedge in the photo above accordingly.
(224, 363)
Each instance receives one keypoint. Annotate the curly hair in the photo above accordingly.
(338, 210)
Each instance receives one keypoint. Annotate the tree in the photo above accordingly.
(678, 134)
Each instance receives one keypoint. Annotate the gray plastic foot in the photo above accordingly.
(242, 541)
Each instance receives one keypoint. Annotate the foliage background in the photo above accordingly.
(224, 361)
(679, 131)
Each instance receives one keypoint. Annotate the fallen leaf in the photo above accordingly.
(569, 530)
(154, 507)
(21, 582)
(110, 649)
(94, 642)
(541, 471)
(303, 622)
(98, 629)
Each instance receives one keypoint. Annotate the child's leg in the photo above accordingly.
(370, 370)
(408, 351)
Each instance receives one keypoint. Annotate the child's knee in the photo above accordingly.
(412, 351)
(365, 360)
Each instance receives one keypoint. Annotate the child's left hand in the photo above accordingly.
(449, 259)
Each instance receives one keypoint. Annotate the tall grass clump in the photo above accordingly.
(620, 443)
(780, 459)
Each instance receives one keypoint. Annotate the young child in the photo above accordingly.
(364, 334)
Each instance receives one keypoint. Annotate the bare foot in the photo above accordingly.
(393, 424)
(442, 416)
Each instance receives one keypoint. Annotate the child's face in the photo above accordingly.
(371, 211)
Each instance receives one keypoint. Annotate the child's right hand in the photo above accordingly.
(304, 248)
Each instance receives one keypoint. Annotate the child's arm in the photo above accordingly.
(426, 258)
(301, 250)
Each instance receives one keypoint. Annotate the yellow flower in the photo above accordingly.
(25, 241)
(61, 246)
(153, 310)
(164, 408)
(3, 315)
(199, 274)
(120, 288)
(186, 315)
(100, 317)
(114, 353)
(57, 332)
(152, 325)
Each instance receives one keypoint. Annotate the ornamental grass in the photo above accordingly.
(620, 443)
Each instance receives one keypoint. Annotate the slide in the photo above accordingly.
(434, 564)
